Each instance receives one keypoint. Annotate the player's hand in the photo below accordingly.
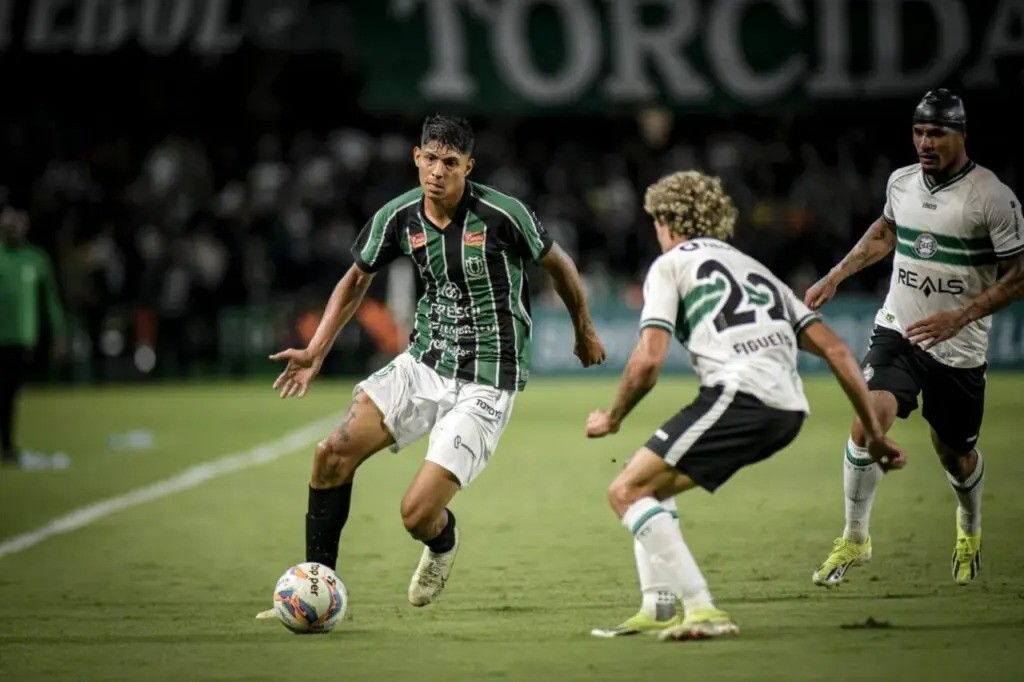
(303, 366)
(887, 453)
(600, 424)
(821, 292)
(589, 348)
(935, 329)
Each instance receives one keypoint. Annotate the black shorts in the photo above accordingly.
(954, 398)
(721, 432)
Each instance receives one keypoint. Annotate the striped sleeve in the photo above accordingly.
(661, 297)
(378, 242)
(1002, 213)
(534, 237)
(528, 234)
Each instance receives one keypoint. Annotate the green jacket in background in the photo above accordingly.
(25, 272)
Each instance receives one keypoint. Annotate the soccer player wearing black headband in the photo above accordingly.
(958, 238)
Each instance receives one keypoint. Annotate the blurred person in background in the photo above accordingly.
(25, 275)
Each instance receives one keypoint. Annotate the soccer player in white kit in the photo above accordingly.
(957, 233)
(742, 327)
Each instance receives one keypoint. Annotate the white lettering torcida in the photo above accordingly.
(648, 59)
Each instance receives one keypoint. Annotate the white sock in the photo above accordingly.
(659, 602)
(968, 495)
(659, 534)
(861, 476)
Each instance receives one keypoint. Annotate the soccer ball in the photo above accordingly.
(310, 598)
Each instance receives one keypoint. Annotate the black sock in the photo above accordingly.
(325, 517)
(446, 538)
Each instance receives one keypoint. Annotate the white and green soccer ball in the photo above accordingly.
(310, 598)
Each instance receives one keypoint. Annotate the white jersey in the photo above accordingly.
(739, 322)
(950, 239)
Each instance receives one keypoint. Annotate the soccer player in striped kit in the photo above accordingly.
(468, 357)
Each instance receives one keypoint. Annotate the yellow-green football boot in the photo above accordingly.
(845, 553)
(702, 624)
(638, 624)
(966, 555)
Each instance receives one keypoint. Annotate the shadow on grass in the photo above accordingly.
(936, 627)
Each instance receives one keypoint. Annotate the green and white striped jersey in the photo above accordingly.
(739, 322)
(473, 320)
(950, 238)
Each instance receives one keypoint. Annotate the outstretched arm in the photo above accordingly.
(638, 379)
(343, 303)
(303, 364)
(563, 271)
(877, 243)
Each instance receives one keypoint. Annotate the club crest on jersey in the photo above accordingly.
(475, 266)
(925, 246)
(473, 238)
(451, 291)
(417, 240)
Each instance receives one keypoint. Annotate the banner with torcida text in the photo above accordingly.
(533, 56)
(851, 318)
(537, 57)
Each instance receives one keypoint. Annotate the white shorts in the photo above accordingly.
(465, 420)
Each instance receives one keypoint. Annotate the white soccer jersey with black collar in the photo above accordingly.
(951, 237)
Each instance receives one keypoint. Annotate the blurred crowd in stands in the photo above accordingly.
(192, 224)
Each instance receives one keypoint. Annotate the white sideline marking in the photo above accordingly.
(189, 478)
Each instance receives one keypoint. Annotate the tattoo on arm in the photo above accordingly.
(1005, 290)
(877, 242)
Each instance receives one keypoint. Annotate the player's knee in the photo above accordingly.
(885, 408)
(419, 519)
(960, 464)
(955, 463)
(334, 462)
(621, 494)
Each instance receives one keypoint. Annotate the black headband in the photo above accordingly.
(942, 108)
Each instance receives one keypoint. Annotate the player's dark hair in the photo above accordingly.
(448, 131)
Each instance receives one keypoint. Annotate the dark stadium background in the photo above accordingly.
(198, 170)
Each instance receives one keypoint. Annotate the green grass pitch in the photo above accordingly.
(167, 590)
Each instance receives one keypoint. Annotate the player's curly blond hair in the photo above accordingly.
(692, 205)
